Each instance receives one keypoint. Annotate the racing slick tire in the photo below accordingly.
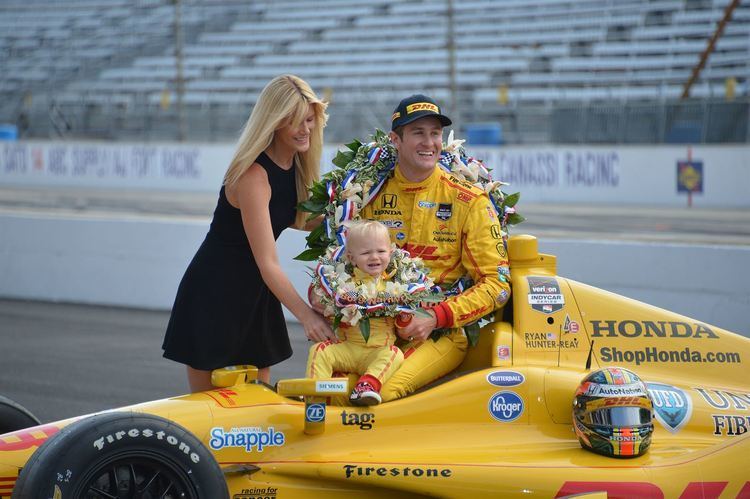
(121, 455)
(14, 416)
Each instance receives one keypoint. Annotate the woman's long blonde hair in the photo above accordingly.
(284, 101)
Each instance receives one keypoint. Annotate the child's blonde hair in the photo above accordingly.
(359, 229)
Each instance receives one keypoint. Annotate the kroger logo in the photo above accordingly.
(672, 406)
(315, 413)
(506, 406)
(505, 378)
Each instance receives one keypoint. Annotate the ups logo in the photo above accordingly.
(389, 201)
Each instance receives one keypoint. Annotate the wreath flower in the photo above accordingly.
(409, 288)
(360, 171)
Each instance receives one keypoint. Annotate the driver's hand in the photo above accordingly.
(419, 328)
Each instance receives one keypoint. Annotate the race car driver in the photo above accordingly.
(453, 227)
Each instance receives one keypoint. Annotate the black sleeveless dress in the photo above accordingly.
(224, 314)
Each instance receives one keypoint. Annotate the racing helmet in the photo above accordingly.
(613, 413)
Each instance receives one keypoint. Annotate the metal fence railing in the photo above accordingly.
(693, 121)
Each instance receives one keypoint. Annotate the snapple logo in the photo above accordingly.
(248, 438)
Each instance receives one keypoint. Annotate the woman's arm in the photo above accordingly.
(311, 224)
(253, 193)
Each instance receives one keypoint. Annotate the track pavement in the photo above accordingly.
(62, 360)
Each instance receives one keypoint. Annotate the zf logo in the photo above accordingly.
(315, 413)
(389, 200)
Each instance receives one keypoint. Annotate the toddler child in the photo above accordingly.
(368, 249)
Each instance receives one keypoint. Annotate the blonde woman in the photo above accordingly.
(227, 308)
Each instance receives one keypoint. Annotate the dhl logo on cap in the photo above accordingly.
(422, 106)
(395, 116)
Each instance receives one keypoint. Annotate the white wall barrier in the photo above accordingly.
(644, 175)
(138, 262)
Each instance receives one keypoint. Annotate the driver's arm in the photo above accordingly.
(484, 256)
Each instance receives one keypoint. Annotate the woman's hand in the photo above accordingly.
(314, 300)
(419, 328)
(317, 328)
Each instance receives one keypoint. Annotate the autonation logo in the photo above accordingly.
(506, 406)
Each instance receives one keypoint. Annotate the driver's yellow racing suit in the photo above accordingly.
(454, 228)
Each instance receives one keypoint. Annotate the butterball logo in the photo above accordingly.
(505, 378)
(506, 406)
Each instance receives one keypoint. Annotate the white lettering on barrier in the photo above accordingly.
(114, 165)
(551, 174)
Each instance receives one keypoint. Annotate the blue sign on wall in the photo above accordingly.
(690, 176)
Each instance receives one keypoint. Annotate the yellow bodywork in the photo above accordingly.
(468, 435)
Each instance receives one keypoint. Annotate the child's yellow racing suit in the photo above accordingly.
(377, 357)
(454, 228)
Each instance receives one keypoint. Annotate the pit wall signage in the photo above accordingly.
(629, 175)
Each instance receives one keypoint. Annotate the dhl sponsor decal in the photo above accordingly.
(27, 438)
(226, 396)
(422, 106)
(646, 490)
(471, 314)
(424, 252)
(460, 186)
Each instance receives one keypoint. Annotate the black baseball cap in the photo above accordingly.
(414, 107)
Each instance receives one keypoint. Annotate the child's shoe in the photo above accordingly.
(365, 394)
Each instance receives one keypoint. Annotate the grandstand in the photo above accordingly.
(546, 70)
